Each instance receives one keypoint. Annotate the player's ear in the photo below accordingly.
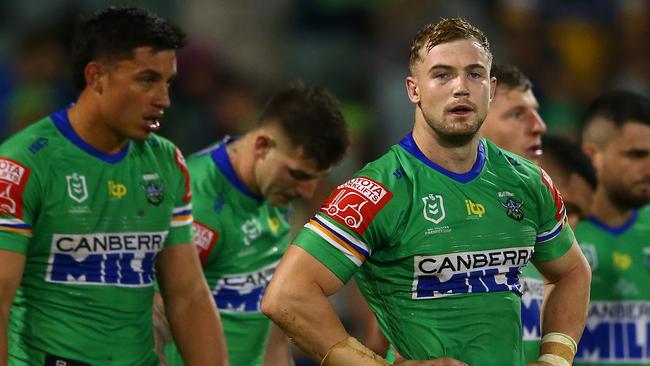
(591, 150)
(412, 89)
(262, 144)
(93, 74)
(493, 87)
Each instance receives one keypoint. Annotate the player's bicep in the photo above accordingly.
(299, 271)
(555, 270)
(12, 265)
(179, 272)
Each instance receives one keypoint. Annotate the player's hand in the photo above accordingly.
(437, 362)
(539, 364)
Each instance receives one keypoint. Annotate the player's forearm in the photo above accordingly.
(197, 329)
(305, 314)
(4, 346)
(566, 307)
(277, 349)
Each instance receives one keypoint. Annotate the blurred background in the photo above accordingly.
(242, 51)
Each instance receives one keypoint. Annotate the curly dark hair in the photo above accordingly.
(113, 33)
(311, 118)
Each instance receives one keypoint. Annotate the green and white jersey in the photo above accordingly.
(241, 238)
(532, 283)
(618, 327)
(437, 254)
(90, 226)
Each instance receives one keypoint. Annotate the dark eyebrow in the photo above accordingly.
(300, 174)
(637, 152)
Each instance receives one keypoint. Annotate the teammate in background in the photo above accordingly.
(436, 231)
(572, 173)
(242, 190)
(512, 121)
(92, 201)
(615, 238)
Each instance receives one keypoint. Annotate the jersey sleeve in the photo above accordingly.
(18, 202)
(180, 230)
(554, 235)
(348, 227)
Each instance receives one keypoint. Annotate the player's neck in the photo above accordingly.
(607, 211)
(88, 123)
(457, 159)
(239, 153)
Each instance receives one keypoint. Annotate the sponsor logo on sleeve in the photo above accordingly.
(356, 202)
(204, 239)
(180, 161)
(242, 293)
(118, 259)
(13, 179)
(469, 272)
(617, 332)
(557, 198)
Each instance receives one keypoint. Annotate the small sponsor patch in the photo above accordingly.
(52, 360)
(204, 239)
(13, 179)
(557, 198)
(180, 161)
(356, 202)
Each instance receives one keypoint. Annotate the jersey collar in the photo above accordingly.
(408, 144)
(615, 230)
(222, 160)
(62, 123)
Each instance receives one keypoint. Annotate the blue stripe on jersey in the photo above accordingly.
(615, 230)
(409, 145)
(62, 123)
(222, 160)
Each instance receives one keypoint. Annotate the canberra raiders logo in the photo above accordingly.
(153, 188)
(513, 209)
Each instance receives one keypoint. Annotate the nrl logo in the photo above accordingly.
(77, 189)
(434, 209)
(513, 209)
(153, 189)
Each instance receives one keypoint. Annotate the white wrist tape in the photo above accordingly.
(558, 349)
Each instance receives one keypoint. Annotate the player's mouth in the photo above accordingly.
(461, 109)
(152, 122)
(535, 151)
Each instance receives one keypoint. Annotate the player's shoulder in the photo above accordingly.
(36, 143)
(386, 171)
(506, 163)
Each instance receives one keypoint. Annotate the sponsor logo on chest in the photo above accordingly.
(243, 292)
(468, 272)
(119, 259)
(616, 332)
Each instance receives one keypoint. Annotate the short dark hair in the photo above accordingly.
(310, 117)
(620, 107)
(569, 157)
(510, 77)
(447, 30)
(115, 32)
